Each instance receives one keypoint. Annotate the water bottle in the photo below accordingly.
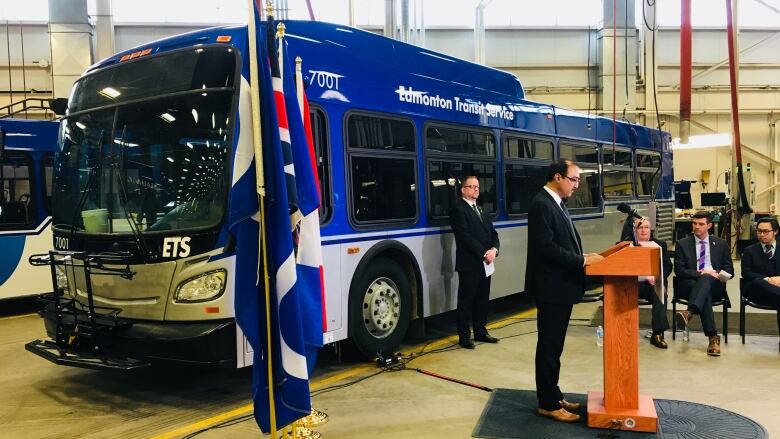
(600, 336)
(686, 336)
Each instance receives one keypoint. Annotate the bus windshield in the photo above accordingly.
(156, 162)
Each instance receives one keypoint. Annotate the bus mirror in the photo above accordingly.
(2, 142)
(59, 106)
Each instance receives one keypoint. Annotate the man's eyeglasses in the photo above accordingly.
(763, 231)
(472, 186)
(572, 179)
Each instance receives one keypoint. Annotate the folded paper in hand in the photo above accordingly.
(489, 268)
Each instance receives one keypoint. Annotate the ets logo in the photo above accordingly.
(176, 247)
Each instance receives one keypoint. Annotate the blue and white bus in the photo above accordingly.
(145, 168)
(27, 160)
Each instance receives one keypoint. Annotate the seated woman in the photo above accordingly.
(647, 286)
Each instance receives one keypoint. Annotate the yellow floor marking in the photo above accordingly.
(325, 382)
(17, 317)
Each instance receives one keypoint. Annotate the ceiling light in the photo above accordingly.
(110, 92)
(703, 141)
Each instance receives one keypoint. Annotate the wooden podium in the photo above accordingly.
(621, 406)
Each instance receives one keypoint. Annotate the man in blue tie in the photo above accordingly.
(701, 260)
(761, 268)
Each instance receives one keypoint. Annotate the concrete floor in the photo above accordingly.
(41, 400)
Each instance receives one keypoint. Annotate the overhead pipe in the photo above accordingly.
(686, 55)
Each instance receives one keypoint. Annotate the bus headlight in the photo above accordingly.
(62, 278)
(205, 287)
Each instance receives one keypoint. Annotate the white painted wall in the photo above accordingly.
(552, 64)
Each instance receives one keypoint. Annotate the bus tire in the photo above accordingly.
(380, 307)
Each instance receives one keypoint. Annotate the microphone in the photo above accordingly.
(625, 208)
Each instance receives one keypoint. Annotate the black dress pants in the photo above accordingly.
(701, 293)
(552, 323)
(764, 292)
(659, 322)
(473, 298)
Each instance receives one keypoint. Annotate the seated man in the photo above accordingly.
(647, 287)
(760, 267)
(700, 262)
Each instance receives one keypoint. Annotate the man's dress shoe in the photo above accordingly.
(713, 349)
(486, 338)
(560, 415)
(658, 341)
(570, 406)
(466, 343)
(683, 317)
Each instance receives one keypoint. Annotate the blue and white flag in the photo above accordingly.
(288, 352)
(309, 246)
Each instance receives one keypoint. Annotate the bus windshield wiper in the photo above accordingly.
(94, 177)
(147, 253)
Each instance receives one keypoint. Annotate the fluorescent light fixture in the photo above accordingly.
(110, 92)
(168, 117)
(703, 141)
(128, 144)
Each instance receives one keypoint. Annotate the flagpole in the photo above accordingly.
(254, 79)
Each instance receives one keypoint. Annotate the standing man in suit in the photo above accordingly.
(647, 286)
(476, 244)
(760, 267)
(699, 261)
(555, 276)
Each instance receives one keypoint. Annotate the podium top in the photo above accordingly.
(625, 260)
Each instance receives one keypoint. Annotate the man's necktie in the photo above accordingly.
(768, 251)
(702, 254)
(476, 210)
(571, 225)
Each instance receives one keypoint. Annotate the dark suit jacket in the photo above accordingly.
(473, 237)
(686, 257)
(555, 270)
(755, 264)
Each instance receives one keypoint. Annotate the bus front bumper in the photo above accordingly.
(126, 344)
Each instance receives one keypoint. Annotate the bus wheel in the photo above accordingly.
(381, 304)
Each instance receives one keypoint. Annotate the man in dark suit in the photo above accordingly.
(760, 266)
(700, 261)
(476, 243)
(555, 276)
(647, 286)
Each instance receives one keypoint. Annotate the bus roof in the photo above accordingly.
(400, 78)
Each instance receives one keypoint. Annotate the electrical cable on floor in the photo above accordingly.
(451, 379)
(396, 367)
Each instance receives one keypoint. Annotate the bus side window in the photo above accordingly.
(319, 130)
(588, 195)
(382, 169)
(453, 153)
(48, 179)
(17, 204)
(525, 168)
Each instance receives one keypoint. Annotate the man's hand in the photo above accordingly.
(651, 281)
(709, 272)
(490, 255)
(774, 280)
(592, 258)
